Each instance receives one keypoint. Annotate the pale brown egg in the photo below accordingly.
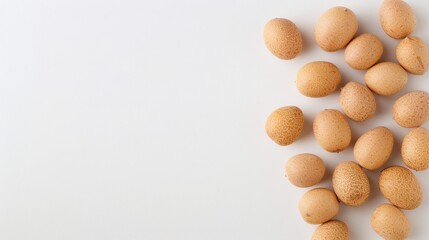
(413, 55)
(305, 170)
(415, 149)
(283, 38)
(357, 101)
(390, 222)
(318, 205)
(335, 28)
(412, 109)
(363, 51)
(397, 18)
(386, 78)
(332, 131)
(285, 125)
(331, 230)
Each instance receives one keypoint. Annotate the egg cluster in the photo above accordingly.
(335, 30)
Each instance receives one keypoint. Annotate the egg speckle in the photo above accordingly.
(318, 79)
(386, 78)
(390, 222)
(413, 55)
(332, 131)
(283, 38)
(318, 205)
(397, 18)
(331, 230)
(363, 51)
(305, 170)
(412, 109)
(350, 183)
(285, 125)
(357, 101)
(415, 149)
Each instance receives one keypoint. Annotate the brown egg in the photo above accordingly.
(283, 38)
(357, 101)
(372, 150)
(415, 149)
(363, 51)
(400, 187)
(331, 230)
(285, 125)
(350, 183)
(318, 79)
(386, 78)
(397, 18)
(332, 131)
(412, 109)
(305, 170)
(335, 28)
(413, 55)
(318, 205)
(390, 222)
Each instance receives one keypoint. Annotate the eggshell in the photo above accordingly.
(390, 222)
(305, 170)
(400, 187)
(412, 109)
(318, 79)
(335, 28)
(357, 101)
(283, 38)
(332, 131)
(351, 184)
(372, 150)
(331, 230)
(413, 55)
(363, 51)
(285, 125)
(397, 18)
(386, 78)
(318, 205)
(415, 149)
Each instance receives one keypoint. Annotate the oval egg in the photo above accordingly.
(318, 79)
(415, 149)
(330, 230)
(351, 184)
(386, 78)
(412, 109)
(413, 55)
(332, 131)
(372, 150)
(390, 222)
(400, 187)
(285, 125)
(305, 170)
(283, 38)
(318, 205)
(335, 28)
(363, 51)
(397, 18)
(357, 101)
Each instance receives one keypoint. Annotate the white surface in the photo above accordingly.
(145, 120)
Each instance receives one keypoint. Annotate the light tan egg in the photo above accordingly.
(318, 205)
(400, 187)
(415, 149)
(331, 230)
(335, 28)
(357, 101)
(386, 78)
(363, 51)
(397, 18)
(412, 109)
(372, 150)
(305, 170)
(390, 222)
(318, 79)
(283, 38)
(332, 131)
(413, 55)
(285, 125)
(351, 184)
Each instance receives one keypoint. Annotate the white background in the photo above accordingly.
(127, 119)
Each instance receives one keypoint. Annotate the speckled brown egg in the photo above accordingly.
(285, 125)
(397, 18)
(386, 78)
(318, 205)
(357, 101)
(363, 51)
(305, 170)
(390, 222)
(331, 230)
(412, 109)
(415, 149)
(318, 79)
(413, 55)
(400, 187)
(283, 38)
(350, 183)
(335, 28)
(372, 150)
(332, 131)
